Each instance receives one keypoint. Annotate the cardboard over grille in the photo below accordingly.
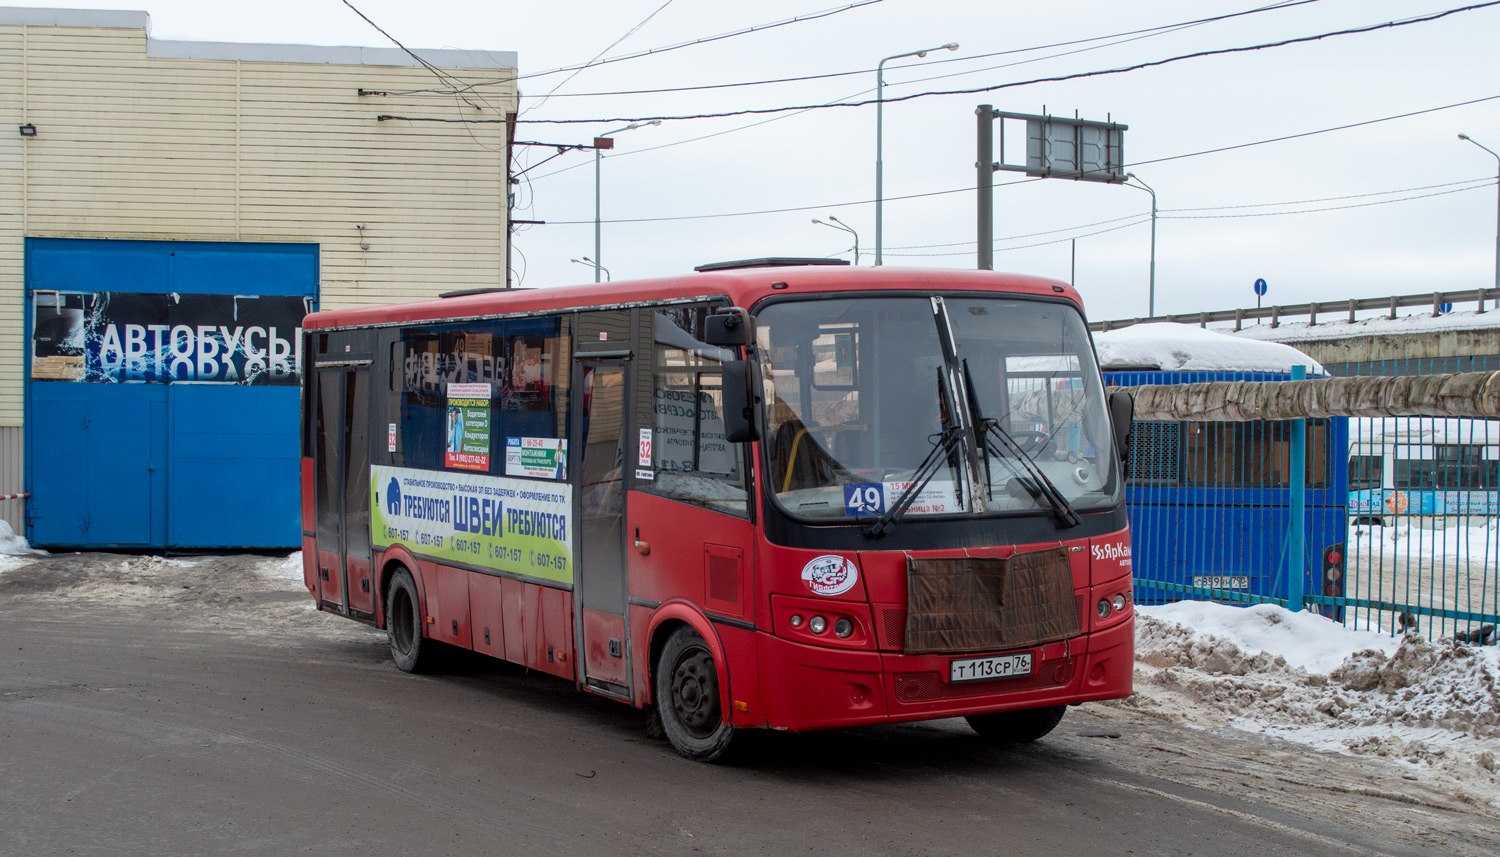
(972, 604)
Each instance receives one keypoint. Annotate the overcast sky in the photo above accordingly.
(822, 162)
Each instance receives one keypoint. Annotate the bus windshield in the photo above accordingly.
(859, 395)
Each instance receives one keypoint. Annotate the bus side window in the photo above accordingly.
(1251, 455)
(534, 359)
(438, 429)
(693, 461)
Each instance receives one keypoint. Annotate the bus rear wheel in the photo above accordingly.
(403, 622)
(687, 698)
(1017, 727)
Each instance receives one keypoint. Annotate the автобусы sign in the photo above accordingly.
(110, 337)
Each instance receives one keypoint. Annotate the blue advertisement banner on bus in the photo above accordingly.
(1423, 502)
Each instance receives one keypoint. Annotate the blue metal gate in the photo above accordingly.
(162, 392)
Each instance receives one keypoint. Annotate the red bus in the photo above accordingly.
(773, 494)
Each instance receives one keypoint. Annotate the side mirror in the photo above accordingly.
(729, 328)
(1121, 418)
(739, 401)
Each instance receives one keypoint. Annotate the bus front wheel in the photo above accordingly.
(403, 622)
(687, 698)
(1017, 727)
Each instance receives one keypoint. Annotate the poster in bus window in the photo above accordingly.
(690, 428)
(468, 435)
(536, 457)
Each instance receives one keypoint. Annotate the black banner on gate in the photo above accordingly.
(112, 337)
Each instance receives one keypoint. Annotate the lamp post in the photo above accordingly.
(598, 156)
(839, 224)
(595, 265)
(1151, 294)
(1497, 211)
(880, 133)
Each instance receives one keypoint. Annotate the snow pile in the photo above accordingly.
(283, 569)
(1174, 347)
(14, 545)
(1432, 705)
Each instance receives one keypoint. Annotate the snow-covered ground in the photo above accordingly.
(1431, 707)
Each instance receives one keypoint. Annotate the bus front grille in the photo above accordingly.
(893, 620)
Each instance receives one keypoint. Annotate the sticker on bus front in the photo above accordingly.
(830, 574)
(864, 498)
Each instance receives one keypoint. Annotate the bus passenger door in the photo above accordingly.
(599, 582)
(342, 490)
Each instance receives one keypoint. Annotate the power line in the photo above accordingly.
(971, 244)
(1140, 220)
(685, 142)
(1162, 215)
(976, 90)
(703, 41)
(1028, 181)
(1143, 219)
(1482, 183)
(611, 47)
(1312, 133)
(1150, 31)
(805, 78)
(439, 73)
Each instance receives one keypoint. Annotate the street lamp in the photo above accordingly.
(595, 265)
(1151, 295)
(879, 133)
(1497, 211)
(598, 153)
(839, 224)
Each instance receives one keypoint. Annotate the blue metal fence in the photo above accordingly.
(1399, 526)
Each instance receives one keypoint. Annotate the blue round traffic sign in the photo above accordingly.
(1260, 287)
(1445, 308)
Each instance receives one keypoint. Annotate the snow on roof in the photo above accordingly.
(1174, 347)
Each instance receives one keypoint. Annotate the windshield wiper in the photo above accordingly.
(941, 450)
(1043, 490)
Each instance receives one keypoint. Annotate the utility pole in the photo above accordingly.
(985, 184)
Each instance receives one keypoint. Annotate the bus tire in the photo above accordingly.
(1017, 727)
(403, 623)
(687, 698)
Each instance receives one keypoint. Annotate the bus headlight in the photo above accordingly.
(843, 628)
(1103, 609)
(817, 624)
(796, 620)
(1119, 601)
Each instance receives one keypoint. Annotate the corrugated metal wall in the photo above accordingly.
(12, 458)
(213, 142)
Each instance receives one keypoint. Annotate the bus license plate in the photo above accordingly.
(980, 669)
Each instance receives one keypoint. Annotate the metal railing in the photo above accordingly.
(1312, 309)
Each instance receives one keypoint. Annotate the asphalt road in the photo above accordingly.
(198, 708)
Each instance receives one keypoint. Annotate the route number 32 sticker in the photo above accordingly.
(830, 575)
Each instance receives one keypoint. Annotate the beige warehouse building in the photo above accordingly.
(167, 211)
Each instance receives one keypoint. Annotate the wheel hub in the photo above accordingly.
(695, 693)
